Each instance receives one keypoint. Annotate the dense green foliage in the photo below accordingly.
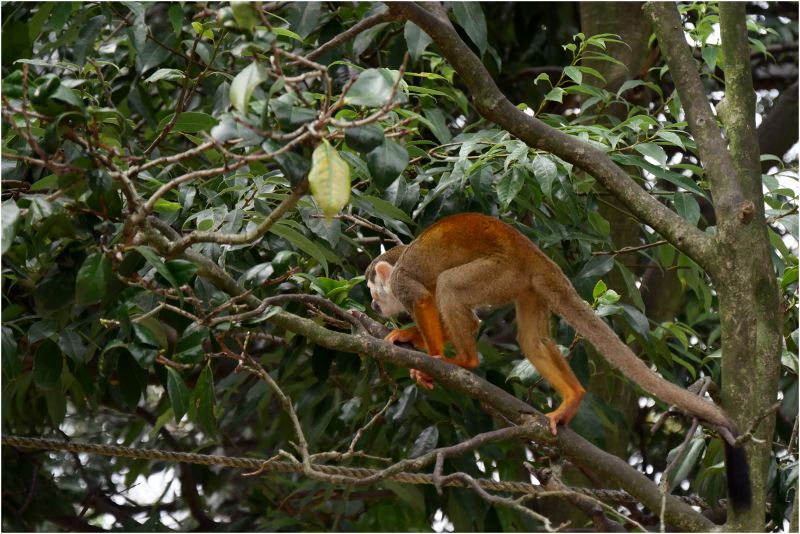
(110, 338)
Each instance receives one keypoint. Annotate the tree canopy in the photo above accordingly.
(191, 193)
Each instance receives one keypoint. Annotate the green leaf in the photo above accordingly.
(182, 270)
(687, 207)
(72, 345)
(56, 406)
(190, 122)
(710, 56)
(469, 16)
(373, 88)
(426, 441)
(438, 124)
(510, 185)
(288, 114)
(245, 83)
(61, 13)
(672, 177)
(653, 151)
(629, 84)
(88, 35)
(201, 409)
(157, 264)
(143, 354)
(37, 21)
(637, 320)
(365, 38)
(179, 394)
(176, 18)
(525, 372)
(412, 496)
(300, 241)
(47, 183)
(596, 266)
(304, 17)
(190, 346)
(166, 206)
(592, 72)
(609, 297)
(47, 365)
(670, 137)
(574, 74)
(165, 74)
(687, 463)
(599, 223)
(245, 15)
(416, 40)
(556, 94)
(283, 32)
(599, 288)
(9, 352)
(10, 217)
(386, 209)
(545, 172)
(387, 162)
(329, 179)
(543, 76)
(67, 96)
(132, 379)
(92, 280)
(364, 138)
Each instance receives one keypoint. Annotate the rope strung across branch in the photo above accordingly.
(289, 467)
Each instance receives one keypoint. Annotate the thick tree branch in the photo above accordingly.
(493, 105)
(739, 115)
(725, 182)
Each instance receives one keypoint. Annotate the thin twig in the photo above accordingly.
(350, 33)
(625, 250)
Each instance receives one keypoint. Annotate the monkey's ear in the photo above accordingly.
(383, 270)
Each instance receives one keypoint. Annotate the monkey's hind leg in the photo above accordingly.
(533, 325)
(460, 290)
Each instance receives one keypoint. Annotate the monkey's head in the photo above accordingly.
(378, 275)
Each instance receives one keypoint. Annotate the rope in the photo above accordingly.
(255, 464)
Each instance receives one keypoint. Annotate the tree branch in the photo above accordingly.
(493, 105)
(350, 33)
(723, 175)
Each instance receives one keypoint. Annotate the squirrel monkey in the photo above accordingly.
(470, 260)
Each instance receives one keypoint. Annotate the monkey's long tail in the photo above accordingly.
(559, 294)
(737, 476)
(563, 300)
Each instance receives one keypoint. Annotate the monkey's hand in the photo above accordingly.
(414, 336)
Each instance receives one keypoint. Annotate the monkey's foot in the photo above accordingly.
(423, 380)
(563, 414)
(406, 335)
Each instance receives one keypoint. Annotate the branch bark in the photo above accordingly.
(743, 274)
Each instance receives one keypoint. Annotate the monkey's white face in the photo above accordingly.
(383, 300)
